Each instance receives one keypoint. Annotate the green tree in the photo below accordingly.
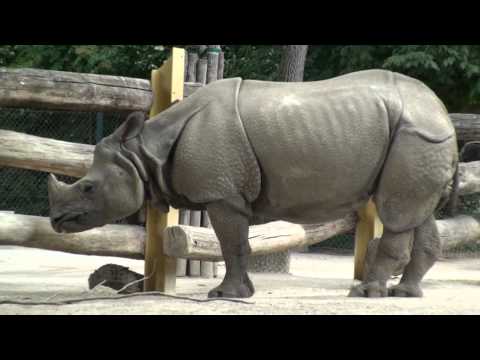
(126, 60)
(452, 71)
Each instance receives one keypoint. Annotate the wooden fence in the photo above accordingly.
(164, 239)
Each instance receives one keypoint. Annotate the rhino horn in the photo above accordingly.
(55, 187)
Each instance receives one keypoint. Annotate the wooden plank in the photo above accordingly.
(126, 241)
(167, 86)
(47, 89)
(368, 227)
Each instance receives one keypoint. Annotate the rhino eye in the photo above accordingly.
(87, 188)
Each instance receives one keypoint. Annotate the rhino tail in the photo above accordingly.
(452, 204)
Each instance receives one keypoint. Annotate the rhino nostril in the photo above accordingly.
(57, 219)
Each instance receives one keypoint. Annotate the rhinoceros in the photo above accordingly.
(251, 152)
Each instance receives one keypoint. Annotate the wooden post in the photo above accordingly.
(194, 267)
(167, 86)
(368, 227)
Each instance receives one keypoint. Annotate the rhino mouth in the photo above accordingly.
(68, 222)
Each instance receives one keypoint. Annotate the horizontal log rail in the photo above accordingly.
(127, 241)
(42, 154)
(467, 126)
(61, 90)
(61, 157)
(190, 242)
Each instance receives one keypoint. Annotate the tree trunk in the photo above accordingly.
(293, 63)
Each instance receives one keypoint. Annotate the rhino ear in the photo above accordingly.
(132, 127)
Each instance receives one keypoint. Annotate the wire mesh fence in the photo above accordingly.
(25, 191)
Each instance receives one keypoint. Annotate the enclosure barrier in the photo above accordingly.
(164, 240)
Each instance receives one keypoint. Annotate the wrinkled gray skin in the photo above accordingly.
(251, 152)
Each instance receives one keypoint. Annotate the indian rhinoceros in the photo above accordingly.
(251, 152)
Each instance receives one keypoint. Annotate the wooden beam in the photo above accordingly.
(191, 88)
(60, 90)
(191, 242)
(459, 230)
(126, 241)
(467, 126)
(42, 154)
(469, 178)
(167, 86)
(368, 227)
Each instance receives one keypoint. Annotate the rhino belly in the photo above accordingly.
(319, 157)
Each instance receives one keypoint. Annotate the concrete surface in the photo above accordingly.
(318, 284)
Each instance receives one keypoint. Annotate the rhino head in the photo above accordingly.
(112, 189)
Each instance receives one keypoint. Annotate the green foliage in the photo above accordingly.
(259, 62)
(452, 71)
(126, 60)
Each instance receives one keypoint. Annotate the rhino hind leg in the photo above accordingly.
(230, 221)
(393, 252)
(426, 251)
(414, 176)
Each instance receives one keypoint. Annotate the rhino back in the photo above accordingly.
(319, 143)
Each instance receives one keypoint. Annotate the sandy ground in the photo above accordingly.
(318, 284)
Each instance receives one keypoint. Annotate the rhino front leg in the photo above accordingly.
(230, 221)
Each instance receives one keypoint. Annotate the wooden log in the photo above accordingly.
(221, 65)
(212, 63)
(190, 88)
(192, 67)
(194, 267)
(126, 241)
(47, 89)
(467, 126)
(184, 219)
(42, 154)
(202, 67)
(61, 157)
(202, 244)
(206, 267)
(469, 178)
(459, 230)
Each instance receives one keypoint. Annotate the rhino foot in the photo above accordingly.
(405, 290)
(371, 289)
(233, 289)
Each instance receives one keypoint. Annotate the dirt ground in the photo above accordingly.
(318, 284)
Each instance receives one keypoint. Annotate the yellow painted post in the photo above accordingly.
(368, 227)
(167, 87)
